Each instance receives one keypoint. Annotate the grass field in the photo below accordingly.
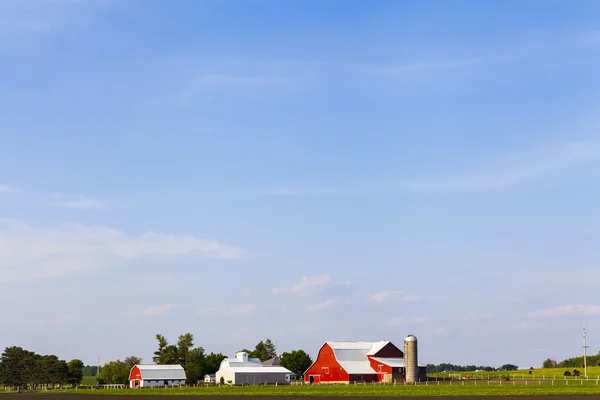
(540, 373)
(468, 388)
(89, 380)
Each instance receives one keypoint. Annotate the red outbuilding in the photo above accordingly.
(345, 362)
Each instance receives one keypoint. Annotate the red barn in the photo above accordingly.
(345, 362)
(150, 375)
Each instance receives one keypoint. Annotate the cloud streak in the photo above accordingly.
(157, 310)
(502, 172)
(308, 283)
(7, 189)
(324, 305)
(28, 252)
(434, 66)
(566, 311)
(78, 202)
(393, 296)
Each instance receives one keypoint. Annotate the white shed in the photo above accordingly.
(242, 370)
(210, 378)
(150, 375)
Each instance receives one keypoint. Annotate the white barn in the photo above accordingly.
(150, 375)
(242, 370)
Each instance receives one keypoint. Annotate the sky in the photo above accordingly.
(303, 171)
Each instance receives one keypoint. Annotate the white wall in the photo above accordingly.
(160, 383)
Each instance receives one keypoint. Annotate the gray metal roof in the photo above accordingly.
(273, 361)
(161, 372)
(260, 370)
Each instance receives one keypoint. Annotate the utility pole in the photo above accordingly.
(98, 369)
(585, 346)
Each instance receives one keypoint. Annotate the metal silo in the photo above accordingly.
(411, 365)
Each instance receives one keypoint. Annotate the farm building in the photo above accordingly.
(271, 362)
(150, 375)
(242, 370)
(210, 378)
(345, 362)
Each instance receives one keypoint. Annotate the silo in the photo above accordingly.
(411, 364)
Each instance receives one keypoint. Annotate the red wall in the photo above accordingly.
(326, 367)
(389, 350)
(135, 374)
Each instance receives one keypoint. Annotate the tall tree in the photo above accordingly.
(270, 348)
(12, 367)
(132, 361)
(184, 344)
(194, 365)
(166, 353)
(212, 362)
(298, 361)
(75, 373)
(264, 350)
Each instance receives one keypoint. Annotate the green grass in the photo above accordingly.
(540, 373)
(468, 388)
(89, 380)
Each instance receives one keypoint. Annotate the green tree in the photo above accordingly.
(298, 361)
(12, 364)
(75, 372)
(90, 370)
(263, 350)
(184, 344)
(509, 367)
(194, 365)
(113, 372)
(166, 353)
(132, 361)
(212, 362)
(549, 363)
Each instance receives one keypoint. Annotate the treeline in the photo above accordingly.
(25, 369)
(195, 361)
(90, 370)
(573, 362)
(445, 367)
(22, 368)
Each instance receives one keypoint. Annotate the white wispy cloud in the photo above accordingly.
(568, 310)
(397, 321)
(157, 310)
(232, 80)
(492, 173)
(310, 282)
(7, 189)
(234, 310)
(439, 65)
(324, 305)
(29, 252)
(43, 17)
(394, 295)
(77, 201)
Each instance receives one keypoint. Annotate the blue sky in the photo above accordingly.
(301, 170)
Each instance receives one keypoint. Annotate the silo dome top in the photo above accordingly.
(410, 338)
